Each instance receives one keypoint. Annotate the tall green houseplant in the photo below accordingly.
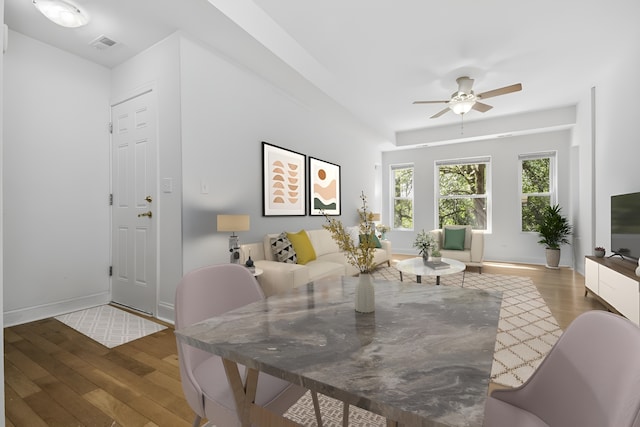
(553, 230)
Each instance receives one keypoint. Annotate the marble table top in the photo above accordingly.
(423, 358)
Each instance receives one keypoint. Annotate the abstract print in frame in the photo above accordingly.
(283, 181)
(324, 187)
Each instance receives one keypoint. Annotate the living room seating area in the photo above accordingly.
(288, 260)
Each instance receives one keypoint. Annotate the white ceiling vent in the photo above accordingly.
(102, 43)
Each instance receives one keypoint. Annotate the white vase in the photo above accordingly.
(365, 297)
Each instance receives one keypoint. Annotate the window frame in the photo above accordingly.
(553, 180)
(393, 198)
(488, 184)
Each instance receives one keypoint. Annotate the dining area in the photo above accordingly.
(423, 357)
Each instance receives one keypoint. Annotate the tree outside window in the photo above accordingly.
(463, 193)
(402, 197)
(537, 187)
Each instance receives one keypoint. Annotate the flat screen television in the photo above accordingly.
(625, 225)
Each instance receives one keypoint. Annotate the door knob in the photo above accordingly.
(149, 214)
(148, 199)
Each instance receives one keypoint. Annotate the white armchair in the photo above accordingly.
(473, 252)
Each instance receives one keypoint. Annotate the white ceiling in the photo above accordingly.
(375, 57)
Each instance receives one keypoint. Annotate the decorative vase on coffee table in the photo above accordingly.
(425, 259)
(365, 298)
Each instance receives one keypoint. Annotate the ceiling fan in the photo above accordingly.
(463, 100)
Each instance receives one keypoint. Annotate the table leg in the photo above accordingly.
(463, 271)
(391, 423)
(239, 394)
(345, 414)
(316, 407)
(401, 277)
(418, 279)
(437, 280)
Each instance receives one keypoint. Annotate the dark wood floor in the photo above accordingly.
(55, 376)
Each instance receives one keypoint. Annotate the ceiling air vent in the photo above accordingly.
(102, 43)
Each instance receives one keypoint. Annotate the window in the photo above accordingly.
(402, 181)
(537, 186)
(462, 193)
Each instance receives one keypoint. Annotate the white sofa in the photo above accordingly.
(472, 254)
(279, 277)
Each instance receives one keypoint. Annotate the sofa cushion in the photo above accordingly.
(454, 239)
(319, 269)
(303, 247)
(373, 240)
(283, 250)
(322, 242)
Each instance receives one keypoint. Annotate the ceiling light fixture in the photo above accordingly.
(462, 103)
(62, 13)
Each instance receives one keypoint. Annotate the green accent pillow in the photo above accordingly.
(373, 240)
(454, 239)
(303, 247)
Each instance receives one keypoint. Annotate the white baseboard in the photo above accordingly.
(166, 312)
(31, 314)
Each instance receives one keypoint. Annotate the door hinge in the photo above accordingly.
(110, 270)
(111, 199)
(110, 125)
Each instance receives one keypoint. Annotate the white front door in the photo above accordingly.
(135, 219)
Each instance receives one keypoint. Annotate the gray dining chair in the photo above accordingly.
(590, 378)
(202, 294)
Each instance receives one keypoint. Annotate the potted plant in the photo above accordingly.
(599, 251)
(553, 230)
(436, 256)
(359, 254)
(383, 230)
(424, 242)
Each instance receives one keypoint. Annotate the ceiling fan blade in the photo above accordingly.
(483, 108)
(464, 84)
(430, 102)
(439, 113)
(502, 91)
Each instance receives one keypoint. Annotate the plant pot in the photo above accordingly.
(553, 257)
(436, 259)
(599, 253)
(365, 298)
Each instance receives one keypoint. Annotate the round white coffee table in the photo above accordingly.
(416, 266)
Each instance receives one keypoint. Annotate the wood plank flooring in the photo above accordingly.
(55, 376)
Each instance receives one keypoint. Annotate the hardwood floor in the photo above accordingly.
(55, 376)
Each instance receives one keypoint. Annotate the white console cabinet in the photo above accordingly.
(614, 281)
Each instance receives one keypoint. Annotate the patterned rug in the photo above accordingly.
(110, 326)
(526, 332)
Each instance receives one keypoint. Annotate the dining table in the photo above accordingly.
(422, 358)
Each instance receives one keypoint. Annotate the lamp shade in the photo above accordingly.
(233, 223)
(462, 107)
(62, 13)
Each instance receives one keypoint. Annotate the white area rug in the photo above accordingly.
(109, 325)
(526, 332)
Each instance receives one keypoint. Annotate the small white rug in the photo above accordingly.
(109, 325)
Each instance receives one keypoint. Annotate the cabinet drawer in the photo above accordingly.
(621, 292)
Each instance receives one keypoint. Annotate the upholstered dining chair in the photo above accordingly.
(204, 293)
(590, 378)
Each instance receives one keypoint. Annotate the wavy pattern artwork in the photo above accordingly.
(325, 187)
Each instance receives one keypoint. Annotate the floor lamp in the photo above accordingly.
(233, 223)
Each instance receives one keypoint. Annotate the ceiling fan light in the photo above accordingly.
(462, 107)
(62, 13)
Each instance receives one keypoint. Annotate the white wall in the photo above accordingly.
(56, 181)
(2, 41)
(617, 144)
(506, 242)
(227, 111)
(159, 68)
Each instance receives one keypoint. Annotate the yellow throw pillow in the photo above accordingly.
(302, 245)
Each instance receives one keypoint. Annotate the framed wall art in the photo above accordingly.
(283, 181)
(324, 187)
